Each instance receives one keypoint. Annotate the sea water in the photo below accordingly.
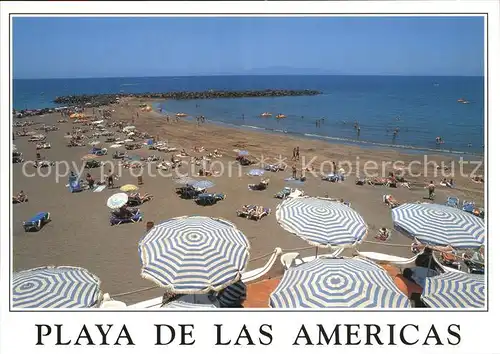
(419, 108)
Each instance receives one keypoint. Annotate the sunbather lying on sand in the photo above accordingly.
(20, 198)
(141, 198)
(477, 179)
(390, 200)
(383, 234)
(199, 149)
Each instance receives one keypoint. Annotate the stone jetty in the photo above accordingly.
(106, 99)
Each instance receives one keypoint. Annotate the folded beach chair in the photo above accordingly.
(468, 206)
(36, 222)
(285, 192)
(209, 198)
(114, 219)
(453, 202)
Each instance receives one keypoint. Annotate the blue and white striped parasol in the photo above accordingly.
(234, 294)
(321, 222)
(338, 283)
(204, 184)
(439, 225)
(55, 287)
(117, 200)
(256, 172)
(194, 255)
(454, 290)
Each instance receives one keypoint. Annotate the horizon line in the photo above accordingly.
(232, 74)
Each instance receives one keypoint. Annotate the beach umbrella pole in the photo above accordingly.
(316, 252)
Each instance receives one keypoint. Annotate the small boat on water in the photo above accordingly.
(463, 101)
(280, 116)
(266, 114)
(181, 114)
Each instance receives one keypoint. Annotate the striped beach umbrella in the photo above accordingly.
(454, 290)
(194, 255)
(439, 225)
(55, 287)
(203, 184)
(322, 222)
(117, 200)
(338, 283)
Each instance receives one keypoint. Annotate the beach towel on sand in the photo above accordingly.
(99, 189)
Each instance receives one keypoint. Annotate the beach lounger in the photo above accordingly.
(285, 192)
(134, 201)
(92, 164)
(452, 202)
(258, 213)
(468, 206)
(209, 198)
(114, 219)
(245, 211)
(36, 222)
(333, 178)
(188, 192)
(259, 186)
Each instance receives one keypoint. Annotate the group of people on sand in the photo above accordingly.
(296, 154)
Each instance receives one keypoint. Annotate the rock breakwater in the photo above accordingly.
(106, 99)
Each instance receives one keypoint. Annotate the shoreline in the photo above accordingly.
(407, 149)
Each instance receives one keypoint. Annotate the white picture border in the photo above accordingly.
(18, 331)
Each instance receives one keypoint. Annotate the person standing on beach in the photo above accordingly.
(334, 167)
(431, 187)
(297, 153)
(294, 154)
(294, 172)
(111, 179)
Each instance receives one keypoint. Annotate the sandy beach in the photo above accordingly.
(80, 233)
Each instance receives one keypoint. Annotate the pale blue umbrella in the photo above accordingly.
(194, 255)
(439, 225)
(338, 283)
(204, 184)
(256, 172)
(186, 181)
(454, 290)
(243, 153)
(55, 287)
(117, 200)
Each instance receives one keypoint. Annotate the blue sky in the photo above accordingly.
(113, 47)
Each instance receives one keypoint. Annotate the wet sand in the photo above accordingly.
(80, 234)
